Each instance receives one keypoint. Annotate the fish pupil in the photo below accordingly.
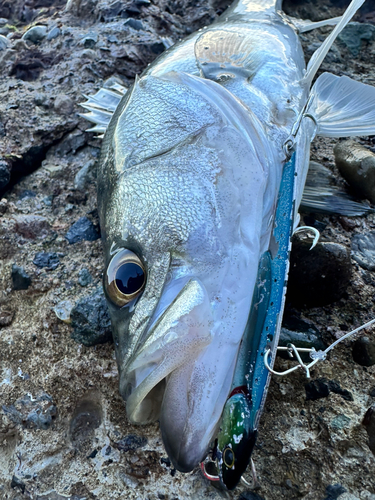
(129, 278)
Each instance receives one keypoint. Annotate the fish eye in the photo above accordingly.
(228, 457)
(125, 278)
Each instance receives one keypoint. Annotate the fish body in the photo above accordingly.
(188, 187)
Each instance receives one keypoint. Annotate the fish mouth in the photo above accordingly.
(179, 333)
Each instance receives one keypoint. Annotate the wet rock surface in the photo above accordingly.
(320, 275)
(69, 446)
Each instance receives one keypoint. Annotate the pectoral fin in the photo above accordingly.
(342, 107)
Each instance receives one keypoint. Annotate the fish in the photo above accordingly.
(202, 170)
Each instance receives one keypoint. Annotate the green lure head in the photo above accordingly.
(235, 441)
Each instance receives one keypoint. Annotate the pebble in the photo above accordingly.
(32, 226)
(49, 260)
(334, 491)
(369, 423)
(20, 279)
(86, 418)
(372, 392)
(17, 483)
(319, 276)
(32, 413)
(134, 23)
(321, 387)
(363, 250)
(250, 495)
(357, 165)
(90, 320)
(53, 33)
(354, 34)
(84, 277)
(364, 351)
(306, 336)
(63, 310)
(4, 173)
(4, 42)
(340, 422)
(90, 40)
(85, 175)
(63, 104)
(35, 34)
(131, 442)
(81, 230)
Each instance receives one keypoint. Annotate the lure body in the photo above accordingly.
(188, 187)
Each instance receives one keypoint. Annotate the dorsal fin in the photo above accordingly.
(224, 54)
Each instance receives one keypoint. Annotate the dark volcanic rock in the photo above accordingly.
(250, 495)
(319, 276)
(90, 320)
(81, 230)
(20, 279)
(363, 250)
(131, 442)
(334, 491)
(17, 483)
(369, 423)
(321, 387)
(4, 173)
(49, 260)
(364, 351)
(84, 277)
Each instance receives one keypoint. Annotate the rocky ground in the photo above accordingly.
(63, 429)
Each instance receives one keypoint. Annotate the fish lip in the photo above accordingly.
(169, 337)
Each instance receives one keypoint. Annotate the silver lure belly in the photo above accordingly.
(188, 180)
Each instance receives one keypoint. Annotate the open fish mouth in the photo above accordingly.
(180, 332)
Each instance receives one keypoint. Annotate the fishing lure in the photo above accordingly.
(203, 166)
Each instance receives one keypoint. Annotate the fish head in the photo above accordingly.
(181, 239)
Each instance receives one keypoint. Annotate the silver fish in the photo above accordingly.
(188, 183)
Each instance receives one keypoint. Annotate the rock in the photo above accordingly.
(321, 387)
(131, 442)
(81, 230)
(17, 483)
(32, 226)
(372, 392)
(317, 389)
(90, 320)
(26, 193)
(369, 423)
(357, 165)
(71, 143)
(364, 351)
(32, 413)
(90, 40)
(85, 175)
(4, 173)
(4, 42)
(86, 418)
(63, 105)
(340, 422)
(354, 34)
(334, 491)
(35, 34)
(301, 334)
(249, 495)
(363, 250)
(336, 388)
(134, 23)
(84, 277)
(53, 33)
(319, 276)
(49, 260)
(20, 279)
